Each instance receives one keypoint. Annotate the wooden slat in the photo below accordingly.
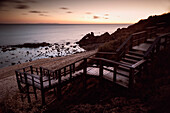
(129, 60)
(138, 53)
(133, 56)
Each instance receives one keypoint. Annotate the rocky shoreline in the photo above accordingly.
(27, 52)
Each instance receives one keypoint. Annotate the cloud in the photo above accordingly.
(96, 17)
(18, 1)
(20, 4)
(69, 12)
(42, 14)
(22, 7)
(3, 10)
(34, 11)
(64, 8)
(88, 13)
(24, 14)
(106, 18)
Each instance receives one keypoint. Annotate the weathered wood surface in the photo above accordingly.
(122, 72)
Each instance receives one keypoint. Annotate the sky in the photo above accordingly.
(80, 11)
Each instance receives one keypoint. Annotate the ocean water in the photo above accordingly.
(50, 33)
(57, 33)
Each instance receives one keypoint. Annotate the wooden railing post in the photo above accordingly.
(49, 77)
(27, 86)
(158, 46)
(18, 82)
(31, 69)
(59, 84)
(64, 71)
(19, 85)
(84, 72)
(131, 42)
(35, 93)
(115, 71)
(73, 67)
(131, 78)
(37, 70)
(42, 87)
(70, 72)
(101, 69)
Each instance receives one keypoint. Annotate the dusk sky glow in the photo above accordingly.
(80, 11)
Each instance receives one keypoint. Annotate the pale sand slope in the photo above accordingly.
(8, 84)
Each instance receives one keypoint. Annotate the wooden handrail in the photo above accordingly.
(124, 43)
(112, 61)
(138, 63)
(137, 33)
(127, 44)
(107, 53)
(156, 41)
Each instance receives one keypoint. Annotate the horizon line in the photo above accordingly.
(63, 23)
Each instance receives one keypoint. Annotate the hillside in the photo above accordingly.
(90, 41)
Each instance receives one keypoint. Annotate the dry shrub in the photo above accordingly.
(110, 46)
(13, 104)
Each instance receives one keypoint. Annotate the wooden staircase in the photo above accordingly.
(131, 57)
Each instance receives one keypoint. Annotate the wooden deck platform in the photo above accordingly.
(121, 80)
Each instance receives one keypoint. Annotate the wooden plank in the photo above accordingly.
(138, 63)
(129, 60)
(138, 53)
(133, 56)
(27, 86)
(142, 47)
(42, 87)
(59, 85)
(35, 93)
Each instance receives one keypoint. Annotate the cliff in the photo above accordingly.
(89, 41)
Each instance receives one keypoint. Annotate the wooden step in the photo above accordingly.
(124, 68)
(133, 57)
(137, 53)
(126, 62)
(122, 73)
(142, 47)
(150, 40)
(129, 60)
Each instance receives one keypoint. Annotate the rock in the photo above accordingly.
(50, 45)
(74, 46)
(56, 44)
(91, 39)
(46, 48)
(31, 45)
(67, 43)
(13, 63)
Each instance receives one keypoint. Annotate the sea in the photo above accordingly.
(60, 34)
